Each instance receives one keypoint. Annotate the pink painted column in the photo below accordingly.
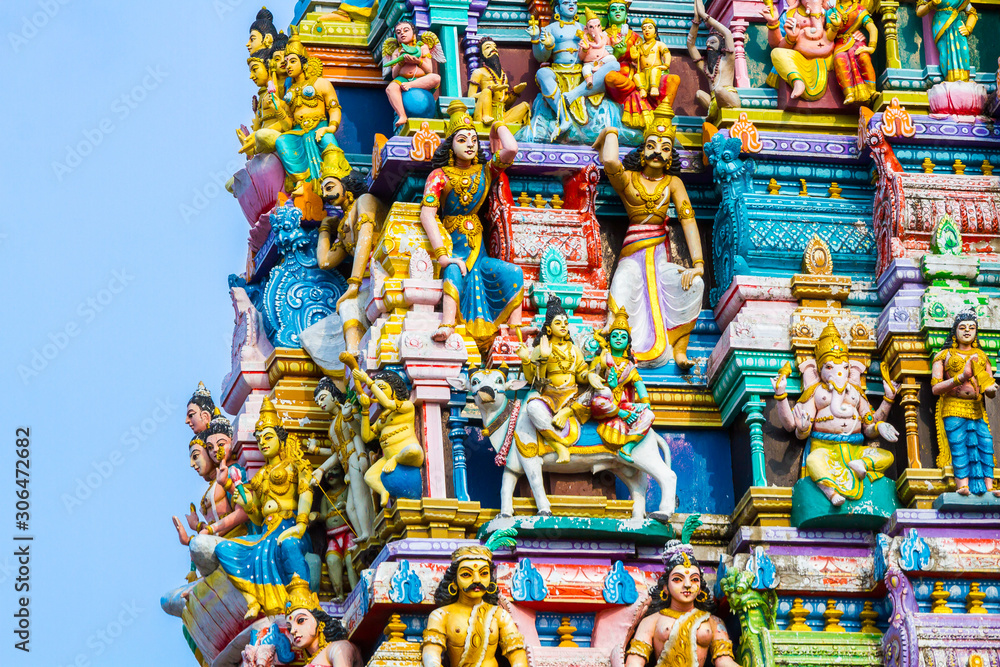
(739, 29)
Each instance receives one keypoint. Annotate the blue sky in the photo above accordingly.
(115, 247)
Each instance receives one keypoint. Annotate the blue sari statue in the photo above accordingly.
(278, 499)
(484, 291)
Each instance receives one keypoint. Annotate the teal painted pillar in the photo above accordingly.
(451, 77)
(754, 409)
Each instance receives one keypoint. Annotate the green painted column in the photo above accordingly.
(754, 409)
(451, 76)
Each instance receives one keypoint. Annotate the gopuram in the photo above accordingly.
(606, 334)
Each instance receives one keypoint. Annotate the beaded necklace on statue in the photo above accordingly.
(564, 362)
(652, 200)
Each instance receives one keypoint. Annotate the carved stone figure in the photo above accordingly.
(962, 376)
(214, 503)
(309, 150)
(349, 450)
(262, 32)
(321, 637)
(279, 499)
(679, 629)
(491, 89)
(270, 119)
(718, 64)
(952, 23)
(852, 54)
(470, 626)
(484, 291)
(662, 298)
(800, 48)
(409, 59)
(836, 417)
(395, 428)
(200, 409)
(350, 235)
(756, 611)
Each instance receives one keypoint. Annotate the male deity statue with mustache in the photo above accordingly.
(471, 626)
(491, 89)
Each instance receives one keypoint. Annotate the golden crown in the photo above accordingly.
(620, 321)
(830, 345)
(589, 15)
(268, 416)
(295, 46)
(299, 595)
(476, 552)
(202, 390)
(460, 118)
(661, 125)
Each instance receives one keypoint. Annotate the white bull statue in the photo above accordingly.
(490, 392)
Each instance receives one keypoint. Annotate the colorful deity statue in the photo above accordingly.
(652, 59)
(276, 64)
(484, 291)
(470, 627)
(278, 498)
(852, 60)
(622, 86)
(622, 407)
(800, 48)
(962, 377)
(350, 235)
(200, 409)
(679, 628)
(952, 24)
(561, 381)
(219, 443)
(718, 64)
(262, 32)
(270, 119)
(349, 450)
(397, 472)
(594, 49)
(835, 416)
(214, 502)
(320, 637)
(662, 298)
(491, 89)
(309, 150)
(339, 534)
(561, 82)
(410, 60)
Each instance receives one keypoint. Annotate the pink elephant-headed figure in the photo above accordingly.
(268, 649)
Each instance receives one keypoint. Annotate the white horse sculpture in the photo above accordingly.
(489, 389)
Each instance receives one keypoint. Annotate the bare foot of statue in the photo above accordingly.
(402, 121)
(590, 82)
(442, 333)
(488, 120)
(963, 487)
(835, 498)
(859, 468)
(559, 418)
(253, 612)
(562, 452)
(798, 88)
(682, 361)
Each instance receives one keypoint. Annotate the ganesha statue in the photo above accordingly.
(844, 483)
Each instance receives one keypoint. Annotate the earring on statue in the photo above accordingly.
(452, 589)
(475, 160)
(492, 588)
(664, 595)
(702, 596)
(451, 160)
(642, 160)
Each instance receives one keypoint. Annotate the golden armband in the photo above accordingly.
(434, 638)
(639, 648)
(720, 647)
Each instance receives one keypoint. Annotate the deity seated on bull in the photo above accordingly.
(548, 430)
(573, 106)
(846, 485)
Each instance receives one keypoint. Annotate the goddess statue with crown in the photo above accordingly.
(662, 298)
(483, 291)
(471, 626)
(321, 638)
(622, 406)
(278, 498)
(835, 416)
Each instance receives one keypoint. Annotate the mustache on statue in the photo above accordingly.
(474, 588)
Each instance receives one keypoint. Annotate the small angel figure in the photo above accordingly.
(408, 59)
